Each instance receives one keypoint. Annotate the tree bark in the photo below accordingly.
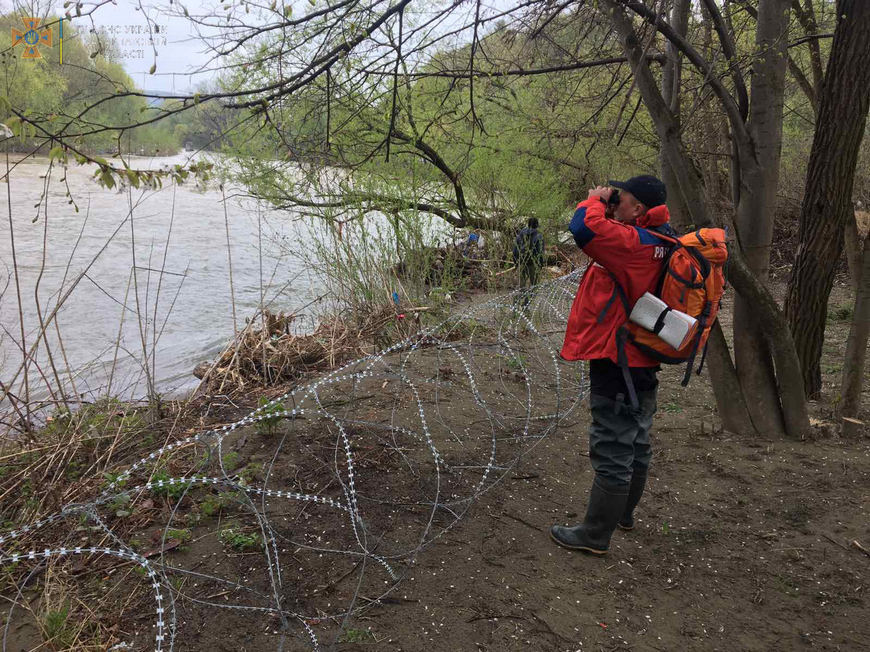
(827, 203)
(759, 180)
(852, 242)
(730, 402)
(771, 322)
(807, 18)
(671, 78)
(856, 350)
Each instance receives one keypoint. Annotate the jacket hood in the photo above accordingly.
(655, 216)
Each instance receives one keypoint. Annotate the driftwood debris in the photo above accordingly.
(267, 351)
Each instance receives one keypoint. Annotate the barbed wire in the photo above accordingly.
(349, 478)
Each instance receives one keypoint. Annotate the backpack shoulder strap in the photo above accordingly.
(663, 236)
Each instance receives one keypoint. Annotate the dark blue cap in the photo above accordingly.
(648, 190)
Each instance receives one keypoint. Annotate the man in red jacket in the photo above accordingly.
(627, 260)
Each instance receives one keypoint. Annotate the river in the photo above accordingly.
(186, 310)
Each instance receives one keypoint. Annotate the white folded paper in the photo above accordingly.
(678, 327)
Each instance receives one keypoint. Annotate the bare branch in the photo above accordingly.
(730, 51)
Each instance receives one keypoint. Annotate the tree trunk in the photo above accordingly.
(671, 77)
(852, 242)
(759, 180)
(730, 402)
(687, 191)
(856, 349)
(771, 322)
(827, 203)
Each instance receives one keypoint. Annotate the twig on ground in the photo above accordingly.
(524, 522)
(857, 545)
(834, 541)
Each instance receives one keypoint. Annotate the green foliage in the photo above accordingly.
(173, 491)
(230, 460)
(104, 416)
(211, 505)
(520, 147)
(110, 176)
(269, 425)
(182, 535)
(215, 503)
(200, 126)
(89, 92)
(357, 636)
(53, 96)
(249, 473)
(842, 313)
(58, 627)
(235, 537)
(74, 469)
(517, 362)
(119, 505)
(365, 260)
(111, 479)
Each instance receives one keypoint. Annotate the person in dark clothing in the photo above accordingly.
(624, 252)
(528, 255)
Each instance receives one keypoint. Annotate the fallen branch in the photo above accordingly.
(860, 547)
(524, 522)
(834, 541)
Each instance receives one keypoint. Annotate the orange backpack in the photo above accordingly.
(692, 281)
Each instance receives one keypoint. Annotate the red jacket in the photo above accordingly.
(634, 256)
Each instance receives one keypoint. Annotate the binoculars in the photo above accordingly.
(613, 200)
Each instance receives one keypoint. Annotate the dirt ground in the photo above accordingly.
(741, 544)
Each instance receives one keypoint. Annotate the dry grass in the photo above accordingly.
(266, 351)
(69, 452)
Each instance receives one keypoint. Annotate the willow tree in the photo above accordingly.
(479, 135)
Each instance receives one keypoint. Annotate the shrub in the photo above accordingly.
(238, 539)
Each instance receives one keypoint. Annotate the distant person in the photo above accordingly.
(471, 245)
(528, 255)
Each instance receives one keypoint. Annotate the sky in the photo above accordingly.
(180, 54)
(182, 59)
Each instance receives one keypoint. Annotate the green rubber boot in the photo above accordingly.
(606, 505)
(635, 491)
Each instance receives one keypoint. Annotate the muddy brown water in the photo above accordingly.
(186, 308)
